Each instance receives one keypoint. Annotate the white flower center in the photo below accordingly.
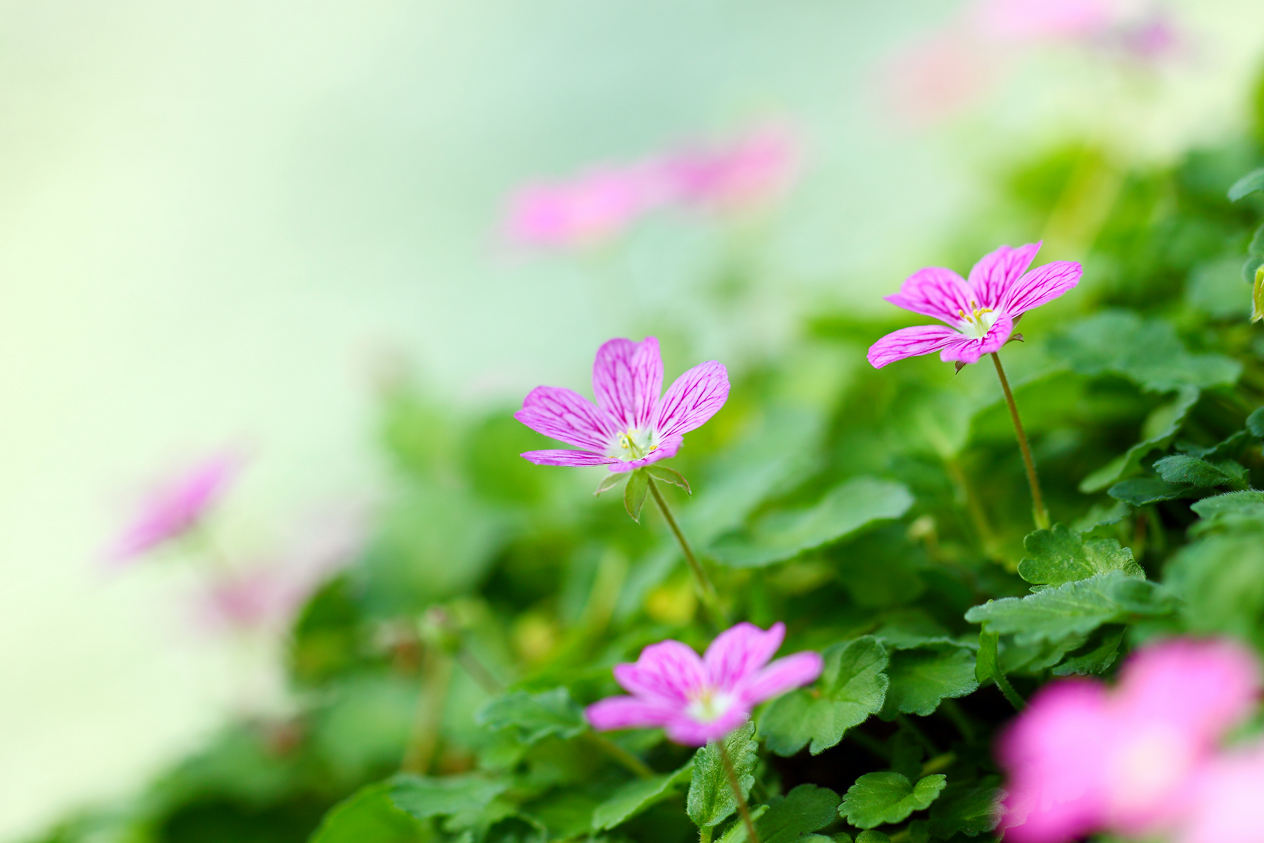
(976, 324)
(633, 445)
(709, 705)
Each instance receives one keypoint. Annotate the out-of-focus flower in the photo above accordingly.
(1141, 32)
(631, 425)
(586, 211)
(1226, 799)
(933, 79)
(980, 312)
(701, 699)
(1083, 758)
(746, 174)
(176, 506)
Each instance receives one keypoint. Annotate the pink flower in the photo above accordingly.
(1083, 758)
(937, 78)
(176, 507)
(586, 211)
(700, 699)
(746, 174)
(631, 426)
(980, 312)
(1034, 20)
(1225, 801)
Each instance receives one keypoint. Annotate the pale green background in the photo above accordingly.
(217, 219)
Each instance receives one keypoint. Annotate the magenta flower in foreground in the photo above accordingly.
(176, 507)
(980, 313)
(698, 699)
(631, 425)
(1225, 804)
(1083, 758)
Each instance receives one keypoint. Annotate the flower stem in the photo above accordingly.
(706, 591)
(742, 807)
(633, 764)
(704, 834)
(1037, 500)
(1008, 690)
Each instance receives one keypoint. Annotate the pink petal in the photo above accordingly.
(785, 674)
(936, 292)
(968, 350)
(1225, 800)
(910, 342)
(1043, 284)
(666, 448)
(692, 399)
(562, 456)
(627, 380)
(666, 672)
(739, 652)
(175, 508)
(997, 271)
(566, 415)
(689, 732)
(628, 713)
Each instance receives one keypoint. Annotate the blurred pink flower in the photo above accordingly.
(980, 312)
(1083, 758)
(1036, 20)
(631, 425)
(701, 699)
(936, 78)
(744, 175)
(586, 211)
(176, 507)
(1226, 799)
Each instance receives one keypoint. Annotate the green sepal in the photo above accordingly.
(634, 493)
(1257, 295)
(610, 481)
(669, 475)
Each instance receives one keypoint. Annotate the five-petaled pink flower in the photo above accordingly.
(631, 425)
(176, 507)
(1083, 758)
(980, 312)
(701, 699)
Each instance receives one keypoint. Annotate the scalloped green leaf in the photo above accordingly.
(1060, 555)
(967, 809)
(924, 676)
(884, 798)
(369, 816)
(534, 716)
(1195, 471)
(791, 818)
(1158, 431)
(710, 799)
(1143, 491)
(1232, 510)
(423, 797)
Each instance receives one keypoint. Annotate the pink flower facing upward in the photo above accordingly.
(586, 211)
(747, 174)
(701, 699)
(631, 425)
(176, 507)
(980, 313)
(1083, 758)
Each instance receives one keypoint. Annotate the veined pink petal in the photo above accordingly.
(936, 292)
(668, 671)
(628, 713)
(689, 732)
(740, 652)
(666, 448)
(1043, 284)
(692, 399)
(967, 350)
(561, 456)
(785, 674)
(910, 342)
(627, 380)
(996, 272)
(566, 415)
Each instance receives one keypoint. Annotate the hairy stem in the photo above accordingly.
(742, 808)
(1008, 690)
(1037, 500)
(706, 591)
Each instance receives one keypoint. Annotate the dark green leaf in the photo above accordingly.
(1255, 423)
(792, 818)
(1183, 468)
(851, 688)
(1257, 242)
(850, 507)
(424, 797)
(872, 836)
(1252, 182)
(1158, 431)
(369, 816)
(1096, 656)
(1143, 491)
(987, 664)
(634, 493)
(924, 676)
(970, 810)
(710, 795)
(534, 716)
(1059, 555)
(884, 798)
(635, 796)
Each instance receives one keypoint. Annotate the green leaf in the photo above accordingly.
(1255, 423)
(924, 676)
(369, 816)
(1142, 491)
(1096, 656)
(736, 832)
(710, 796)
(424, 797)
(1059, 555)
(967, 809)
(1183, 468)
(883, 798)
(1146, 351)
(1257, 290)
(669, 475)
(1257, 242)
(850, 507)
(987, 665)
(1232, 510)
(1075, 608)
(634, 493)
(872, 837)
(1221, 581)
(610, 481)
(1252, 182)
(635, 796)
(534, 716)
(793, 817)
(1158, 431)
(851, 688)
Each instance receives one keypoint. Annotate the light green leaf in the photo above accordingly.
(872, 836)
(635, 796)
(1059, 555)
(1183, 468)
(534, 716)
(933, 420)
(369, 816)
(424, 797)
(1142, 491)
(710, 795)
(1221, 581)
(1075, 608)
(851, 688)
(970, 809)
(610, 481)
(987, 664)
(883, 798)
(850, 507)
(791, 818)
(1252, 182)
(1232, 510)
(1158, 431)
(1257, 289)
(924, 676)
(634, 493)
